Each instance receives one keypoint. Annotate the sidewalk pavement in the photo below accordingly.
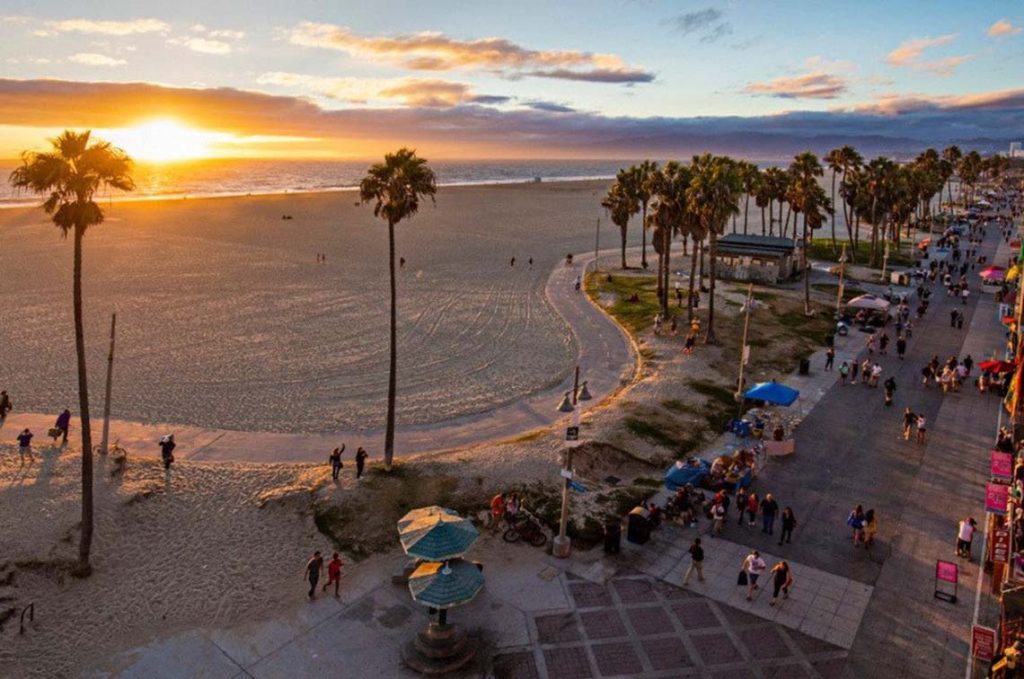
(606, 356)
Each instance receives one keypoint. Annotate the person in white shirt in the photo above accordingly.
(754, 565)
(964, 536)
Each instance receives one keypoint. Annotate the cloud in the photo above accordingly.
(1003, 28)
(431, 51)
(818, 85)
(909, 54)
(902, 127)
(203, 45)
(550, 106)
(426, 92)
(706, 21)
(93, 59)
(227, 34)
(109, 27)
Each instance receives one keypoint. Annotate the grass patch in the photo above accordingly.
(821, 249)
(713, 391)
(636, 316)
(849, 291)
(647, 481)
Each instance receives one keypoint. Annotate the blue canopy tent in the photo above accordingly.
(772, 392)
(692, 471)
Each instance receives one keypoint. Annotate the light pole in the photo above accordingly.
(839, 291)
(562, 545)
(744, 349)
(885, 261)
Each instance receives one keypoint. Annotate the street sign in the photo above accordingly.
(947, 577)
(1001, 545)
(996, 495)
(983, 643)
(577, 486)
(1001, 465)
(565, 473)
(572, 435)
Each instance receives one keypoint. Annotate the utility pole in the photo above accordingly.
(562, 545)
(110, 377)
(885, 261)
(744, 349)
(839, 292)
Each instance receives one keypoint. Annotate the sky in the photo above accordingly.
(600, 78)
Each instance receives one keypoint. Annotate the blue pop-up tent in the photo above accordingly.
(692, 472)
(772, 392)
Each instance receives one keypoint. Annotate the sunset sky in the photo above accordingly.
(308, 78)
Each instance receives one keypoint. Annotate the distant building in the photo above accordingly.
(1015, 150)
(761, 259)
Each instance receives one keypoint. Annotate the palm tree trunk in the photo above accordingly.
(746, 207)
(667, 249)
(710, 337)
(807, 272)
(771, 218)
(835, 248)
(785, 229)
(85, 541)
(693, 282)
(700, 276)
(622, 230)
(389, 430)
(643, 234)
(763, 231)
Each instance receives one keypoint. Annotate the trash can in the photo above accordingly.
(612, 537)
(638, 526)
(805, 366)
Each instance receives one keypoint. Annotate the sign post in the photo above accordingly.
(946, 573)
(1001, 546)
(996, 495)
(1001, 465)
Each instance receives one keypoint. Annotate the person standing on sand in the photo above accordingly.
(361, 456)
(62, 425)
(25, 445)
(333, 574)
(5, 405)
(167, 446)
(335, 460)
(513, 262)
(314, 568)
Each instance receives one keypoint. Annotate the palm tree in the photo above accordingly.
(667, 215)
(775, 181)
(834, 159)
(970, 169)
(69, 175)
(952, 155)
(621, 206)
(807, 198)
(712, 196)
(640, 185)
(750, 175)
(396, 187)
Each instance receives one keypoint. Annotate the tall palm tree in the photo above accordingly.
(775, 180)
(952, 155)
(834, 160)
(712, 195)
(667, 215)
(69, 175)
(970, 169)
(621, 205)
(750, 175)
(642, 189)
(396, 187)
(849, 161)
(805, 195)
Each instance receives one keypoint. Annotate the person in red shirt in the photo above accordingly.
(497, 510)
(333, 574)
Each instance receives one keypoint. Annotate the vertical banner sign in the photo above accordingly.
(1001, 465)
(983, 643)
(996, 495)
(947, 579)
(1000, 545)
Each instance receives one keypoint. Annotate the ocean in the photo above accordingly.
(260, 176)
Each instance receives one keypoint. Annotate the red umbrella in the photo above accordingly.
(997, 366)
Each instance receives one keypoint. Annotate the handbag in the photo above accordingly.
(742, 579)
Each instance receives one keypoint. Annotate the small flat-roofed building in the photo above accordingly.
(760, 259)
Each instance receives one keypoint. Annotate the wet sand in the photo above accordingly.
(225, 320)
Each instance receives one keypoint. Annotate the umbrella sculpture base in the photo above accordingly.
(439, 649)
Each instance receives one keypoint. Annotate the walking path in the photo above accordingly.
(606, 356)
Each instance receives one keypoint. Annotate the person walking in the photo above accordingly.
(901, 347)
(844, 371)
(753, 566)
(25, 445)
(167, 446)
(752, 504)
(361, 456)
(314, 569)
(830, 358)
(333, 574)
(788, 524)
(741, 504)
(717, 518)
(5, 406)
(883, 344)
(964, 537)
(856, 522)
(782, 580)
(854, 370)
(921, 429)
(870, 343)
(696, 562)
(890, 389)
(497, 510)
(335, 460)
(62, 425)
(909, 420)
(769, 508)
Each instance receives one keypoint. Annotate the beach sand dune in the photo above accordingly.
(225, 320)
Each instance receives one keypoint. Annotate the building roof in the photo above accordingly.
(739, 244)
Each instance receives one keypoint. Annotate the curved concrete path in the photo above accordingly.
(606, 356)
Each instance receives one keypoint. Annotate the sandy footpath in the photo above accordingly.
(226, 321)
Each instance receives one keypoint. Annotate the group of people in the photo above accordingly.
(864, 525)
(949, 375)
(753, 567)
(336, 464)
(749, 506)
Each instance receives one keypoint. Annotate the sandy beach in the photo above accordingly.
(226, 321)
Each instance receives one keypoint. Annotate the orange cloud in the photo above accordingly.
(93, 59)
(430, 92)
(431, 51)
(809, 86)
(110, 27)
(909, 54)
(1003, 28)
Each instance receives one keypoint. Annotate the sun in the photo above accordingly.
(162, 140)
